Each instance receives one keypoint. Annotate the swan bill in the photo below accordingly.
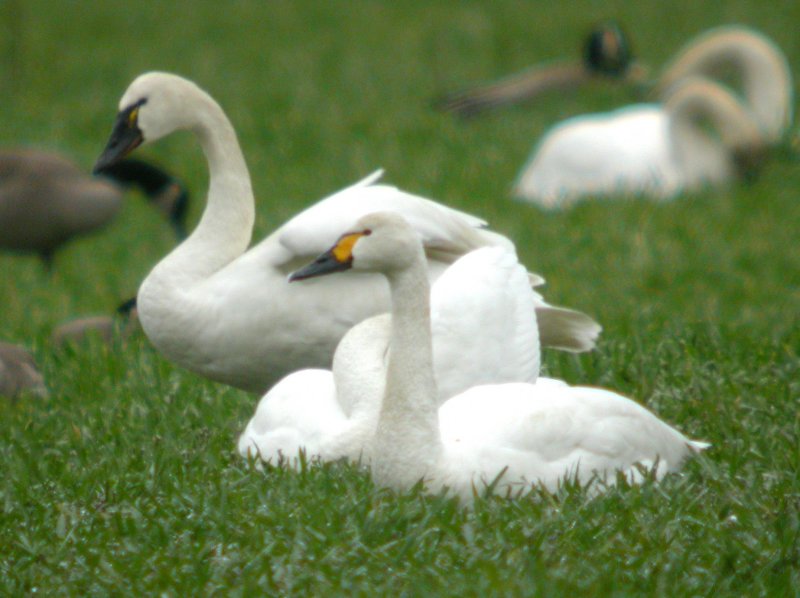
(125, 137)
(336, 259)
(327, 263)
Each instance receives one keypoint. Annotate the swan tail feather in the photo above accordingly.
(566, 329)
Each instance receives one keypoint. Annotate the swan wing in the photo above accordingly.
(483, 323)
(548, 431)
(446, 233)
(300, 411)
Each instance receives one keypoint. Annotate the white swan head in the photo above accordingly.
(379, 242)
(152, 107)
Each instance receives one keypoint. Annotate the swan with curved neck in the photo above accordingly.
(606, 55)
(482, 332)
(649, 149)
(227, 312)
(509, 435)
(734, 53)
(752, 60)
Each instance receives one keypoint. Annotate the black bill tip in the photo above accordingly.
(125, 137)
(324, 264)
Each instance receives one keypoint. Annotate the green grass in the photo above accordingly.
(126, 480)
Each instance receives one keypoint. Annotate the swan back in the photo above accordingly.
(483, 323)
(752, 59)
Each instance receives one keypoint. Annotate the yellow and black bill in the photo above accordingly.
(125, 137)
(337, 259)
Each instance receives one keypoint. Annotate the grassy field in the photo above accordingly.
(125, 481)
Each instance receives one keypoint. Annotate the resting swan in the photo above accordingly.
(227, 312)
(649, 149)
(606, 55)
(741, 56)
(509, 436)
(482, 332)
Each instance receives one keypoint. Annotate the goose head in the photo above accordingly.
(380, 242)
(152, 107)
(607, 50)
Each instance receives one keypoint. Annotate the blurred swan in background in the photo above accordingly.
(503, 437)
(648, 149)
(227, 312)
(482, 333)
(739, 56)
(46, 200)
(606, 55)
(747, 61)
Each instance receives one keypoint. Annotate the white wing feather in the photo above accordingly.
(442, 229)
(483, 323)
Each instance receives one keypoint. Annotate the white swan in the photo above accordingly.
(482, 333)
(228, 313)
(649, 149)
(742, 57)
(508, 436)
(746, 59)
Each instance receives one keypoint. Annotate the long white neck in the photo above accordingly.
(407, 444)
(225, 229)
(755, 61)
(359, 372)
(708, 156)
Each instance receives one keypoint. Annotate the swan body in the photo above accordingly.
(649, 149)
(547, 432)
(45, 199)
(227, 312)
(506, 437)
(483, 331)
(747, 56)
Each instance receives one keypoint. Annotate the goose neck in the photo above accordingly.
(524, 86)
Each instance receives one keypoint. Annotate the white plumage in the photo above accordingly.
(750, 63)
(226, 312)
(483, 332)
(647, 149)
(508, 435)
